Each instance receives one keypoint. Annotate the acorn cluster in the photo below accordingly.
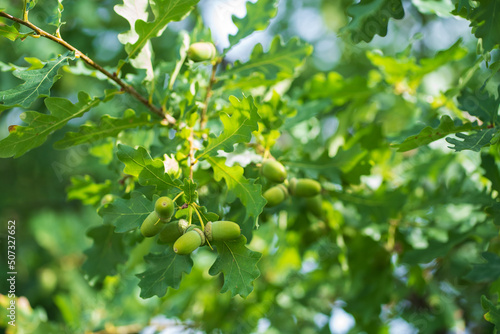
(274, 171)
(185, 238)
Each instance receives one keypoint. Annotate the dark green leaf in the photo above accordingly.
(491, 170)
(475, 141)
(282, 60)
(40, 126)
(109, 126)
(107, 252)
(485, 20)
(238, 264)
(485, 272)
(127, 214)
(371, 17)
(446, 127)
(493, 312)
(37, 83)
(163, 271)
(479, 104)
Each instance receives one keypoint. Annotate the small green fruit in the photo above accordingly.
(172, 231)
(165, 208)
(275, 195)
(189, 241)
(201, 51)
(304, 187)
(273, 171)
(222, 230)
(152, 225)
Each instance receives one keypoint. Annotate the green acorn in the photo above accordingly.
(304, 187)
(172, 231)
(152, 225)
(222, 230)
(165, 208)
(201, 51)
(273, 171)
(275, 195)
(189, 241)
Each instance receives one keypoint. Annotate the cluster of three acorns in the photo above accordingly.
(274, 171)
(186, 238)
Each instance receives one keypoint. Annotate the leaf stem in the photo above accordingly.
(126, 87)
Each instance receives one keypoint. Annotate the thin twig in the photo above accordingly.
(203, 118)
(126, 87)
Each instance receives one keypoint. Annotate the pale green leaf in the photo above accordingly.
(149, 171)
(238, 127)
(248, 192)
(441, 8)
(85, 189)
(165, 11)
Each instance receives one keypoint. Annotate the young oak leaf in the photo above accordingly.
(36, 83)
(248, 192)
(106, 253)
(85, 189)
(190, 193)
(238, 264)
(127, 214)
(238, 127)
(164, 270)
(149, 171)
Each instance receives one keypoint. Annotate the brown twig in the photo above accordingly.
(203, 118)
(126, 87)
